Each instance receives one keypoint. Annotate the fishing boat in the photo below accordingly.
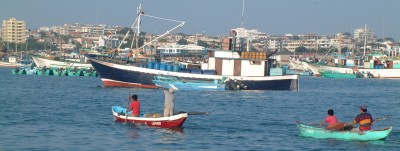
(374, 72)
(164, 122)
(376, 64)
(252, 73)
(183, 84)
(49, 63)
(322, 133)
(335, 74)
(13, 62)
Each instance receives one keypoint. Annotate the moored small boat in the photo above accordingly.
(164, 122)
(182, 84)
(335, 74)
(316, 132)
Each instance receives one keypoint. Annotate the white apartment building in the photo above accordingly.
(252, 33)
(323, 42)
(342, 41)
(360, 33)
(291, 45)
(275, 42)
(87, 31)
(14, 31)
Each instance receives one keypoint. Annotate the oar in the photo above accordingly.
(126, 113)
(194, 113)
(197, 113)
(382, 118)
(376, 119)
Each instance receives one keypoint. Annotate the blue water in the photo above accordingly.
(74, 113)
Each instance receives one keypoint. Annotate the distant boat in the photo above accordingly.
(165, 122)
(374, 72)
(49, 63)
(375, 65)
(182, 84)
(12, 62)
(322, 133)
(335, 74)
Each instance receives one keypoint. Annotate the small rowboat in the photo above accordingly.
(164, 122)
(182, 84)
(315, 132)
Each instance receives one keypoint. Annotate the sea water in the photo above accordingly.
(74, 113)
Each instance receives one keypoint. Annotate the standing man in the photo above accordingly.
(169, 102)
(364, 119)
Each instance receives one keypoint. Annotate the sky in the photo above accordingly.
(216, 17)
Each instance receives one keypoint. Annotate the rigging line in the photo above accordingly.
(178, 26)
(127, 33)
(163, 18)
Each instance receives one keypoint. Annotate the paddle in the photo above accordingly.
(126, 114)
(197, 113)
(376, 119)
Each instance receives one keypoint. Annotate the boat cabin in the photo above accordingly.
(232, 63)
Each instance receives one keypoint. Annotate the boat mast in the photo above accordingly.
(241, 25)
(339, 50)
(140, 12)
(365, 38)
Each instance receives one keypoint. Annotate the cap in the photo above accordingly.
(364, 107)
(171, 90)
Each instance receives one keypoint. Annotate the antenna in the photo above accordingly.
(241, 25)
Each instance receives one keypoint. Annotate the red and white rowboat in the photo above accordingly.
(164, 122)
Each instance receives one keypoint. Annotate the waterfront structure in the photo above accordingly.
(14, 31)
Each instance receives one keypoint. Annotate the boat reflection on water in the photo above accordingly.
(171, 135)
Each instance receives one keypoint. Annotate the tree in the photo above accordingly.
(301, 49)
(34, 45)
(181, 34)
(124, 30)
(389, 39)
(202, 43)
(295, 37)
(182, 42)
(42, 34)
(347, 34)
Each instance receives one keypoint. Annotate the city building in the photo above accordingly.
(360, 33)
(14, 31)
(249, 33)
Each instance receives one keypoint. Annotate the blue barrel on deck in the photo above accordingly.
(184, 70)
(162, 66)
(156, 66)
(169, 67)
(182, 66)
(196, 71)
(210, 72)
(150, 65)
(175, 68)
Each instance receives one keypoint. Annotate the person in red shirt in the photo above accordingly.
(331, 119)
(135, 106)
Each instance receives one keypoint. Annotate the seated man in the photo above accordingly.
(364, 119)
(135, 106)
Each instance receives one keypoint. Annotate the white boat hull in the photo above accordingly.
(41, 62)
(378, 73)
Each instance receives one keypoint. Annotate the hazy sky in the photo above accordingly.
(217, 17)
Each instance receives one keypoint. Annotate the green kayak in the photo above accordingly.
(316, 132)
